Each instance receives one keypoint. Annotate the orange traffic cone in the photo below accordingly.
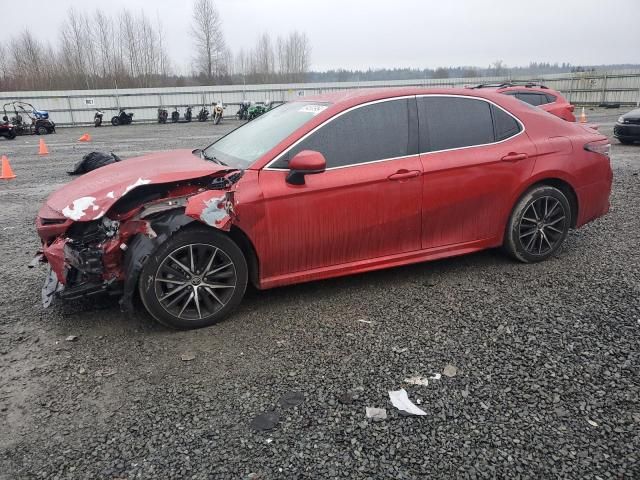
(85, 138)
(583, 116)
(7, 173)
(43, 148)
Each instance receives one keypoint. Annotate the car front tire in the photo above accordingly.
(538, 225)
(194, 279)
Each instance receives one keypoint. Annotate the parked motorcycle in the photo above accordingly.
(243, 112)
(218, 112)
(203, 114)
(175, 115)
(188, 115)
(97, 118)
(258, 109)
(123, 118)
(162, 115)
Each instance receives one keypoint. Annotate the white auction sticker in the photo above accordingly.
(315, 109)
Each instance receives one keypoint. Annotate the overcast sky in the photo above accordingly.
(387, 33)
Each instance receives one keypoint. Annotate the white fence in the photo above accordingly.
(76, 107)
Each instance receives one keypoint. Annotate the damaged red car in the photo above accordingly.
(333, 185)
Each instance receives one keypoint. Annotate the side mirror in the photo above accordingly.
(304, 163)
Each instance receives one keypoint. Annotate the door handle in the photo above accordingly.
(404, 174)
(514, 157)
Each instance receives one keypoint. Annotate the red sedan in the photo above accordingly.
(333, 185)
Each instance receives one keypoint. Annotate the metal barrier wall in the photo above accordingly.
(76, 107)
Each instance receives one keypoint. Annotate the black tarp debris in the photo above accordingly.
(92, 161)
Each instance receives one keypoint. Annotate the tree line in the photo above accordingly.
(128, 50)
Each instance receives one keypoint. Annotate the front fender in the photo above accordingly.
(141, 246)
(213, 208)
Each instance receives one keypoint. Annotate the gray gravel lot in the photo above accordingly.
(547, 357)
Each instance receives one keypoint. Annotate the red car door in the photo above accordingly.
(367, 204)
(475, 156)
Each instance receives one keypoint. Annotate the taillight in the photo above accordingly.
(598, 147)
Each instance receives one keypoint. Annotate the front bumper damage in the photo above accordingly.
(106, 256)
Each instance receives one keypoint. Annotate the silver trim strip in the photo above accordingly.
(268, 166)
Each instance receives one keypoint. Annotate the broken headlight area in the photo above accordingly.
(85, 261)
(106, 255)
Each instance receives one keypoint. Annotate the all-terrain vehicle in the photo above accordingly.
(27, 119)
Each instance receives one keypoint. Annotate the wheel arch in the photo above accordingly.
(249, 250)
(556, 181)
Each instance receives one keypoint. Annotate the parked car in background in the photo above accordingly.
(537, 95)
(333, 185)
(627, 128)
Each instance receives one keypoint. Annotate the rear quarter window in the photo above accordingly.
(504, 125)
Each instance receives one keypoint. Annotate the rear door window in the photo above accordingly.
(454, 122)
(378, 131)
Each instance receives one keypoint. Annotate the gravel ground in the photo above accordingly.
(547, 358)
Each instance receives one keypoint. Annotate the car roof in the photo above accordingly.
(366, 95)
(527, 88)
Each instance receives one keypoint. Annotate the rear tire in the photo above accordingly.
(42, 130)
(538, 225)
(186, 296)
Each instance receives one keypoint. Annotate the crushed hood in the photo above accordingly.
(90, 196)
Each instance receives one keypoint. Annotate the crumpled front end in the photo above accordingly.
(106, 255)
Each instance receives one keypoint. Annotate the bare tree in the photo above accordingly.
(4, 63)
(98, 50)
(441, 72)
(470, 72)
(209, 39)
(264, 59)
(28, 60)
(498, 68)
(105, 44)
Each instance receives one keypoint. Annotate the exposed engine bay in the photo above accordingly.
(106, 255)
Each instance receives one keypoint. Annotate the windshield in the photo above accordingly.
(245, 145)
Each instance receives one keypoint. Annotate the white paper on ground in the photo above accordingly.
(417, 380)
(401, 401)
